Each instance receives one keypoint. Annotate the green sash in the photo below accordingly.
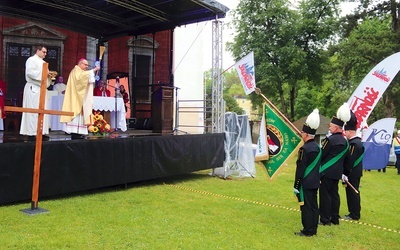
(300, 196)
(334, 159)
(358, 160)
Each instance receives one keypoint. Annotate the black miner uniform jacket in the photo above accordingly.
(356, 149)
(307, 154)
(331, 147)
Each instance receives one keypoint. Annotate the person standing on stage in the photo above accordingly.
(334, 149)
(125, 96)
(396, 145)
(60, 86)
(31, 96)
(78, 99)
(3, 91)
(353, 168)
(101, 90)
(307, 176)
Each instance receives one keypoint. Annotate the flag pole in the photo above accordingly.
(227, 69)
(258, 92)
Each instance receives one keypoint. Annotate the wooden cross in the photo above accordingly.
(41, 111)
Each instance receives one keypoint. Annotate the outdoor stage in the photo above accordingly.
(69, 166)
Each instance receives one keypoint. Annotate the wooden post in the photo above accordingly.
(39, 138)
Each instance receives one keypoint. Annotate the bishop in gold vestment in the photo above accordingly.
(78, 98)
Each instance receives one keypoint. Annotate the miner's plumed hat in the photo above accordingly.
(312, 123)
(342, 115)
(352, 123)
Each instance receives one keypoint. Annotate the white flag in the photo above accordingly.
(245, 70)
(262, 153)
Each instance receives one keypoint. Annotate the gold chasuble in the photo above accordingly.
(78, 95)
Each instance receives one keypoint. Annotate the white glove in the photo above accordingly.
(296, 191)
(345, 178)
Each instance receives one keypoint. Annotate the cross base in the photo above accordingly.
(34, 211)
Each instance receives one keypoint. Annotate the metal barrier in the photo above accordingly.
(191, 108)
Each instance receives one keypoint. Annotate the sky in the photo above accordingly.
(202, 36)
(193, 52)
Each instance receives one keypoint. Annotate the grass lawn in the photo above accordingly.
(199, 211)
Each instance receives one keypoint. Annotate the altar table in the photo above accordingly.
(99, 103)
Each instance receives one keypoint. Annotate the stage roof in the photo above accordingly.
(106, 19)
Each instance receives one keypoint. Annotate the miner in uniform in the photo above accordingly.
(353, 167)
(334, 149)
(306, 182)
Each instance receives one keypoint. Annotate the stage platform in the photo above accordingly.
(69, 166)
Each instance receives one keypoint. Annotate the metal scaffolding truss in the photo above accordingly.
(217, 101)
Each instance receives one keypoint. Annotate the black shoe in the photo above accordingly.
(348, 217)
(324, 224)
(303, 234)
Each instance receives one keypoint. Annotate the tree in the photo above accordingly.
(231, 104)
(373, 39)
(287, 44)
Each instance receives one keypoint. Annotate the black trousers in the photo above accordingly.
(309, 212)
(398, 163)
(329, 201)
(354, 199)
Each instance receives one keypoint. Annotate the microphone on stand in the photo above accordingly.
(117, 84)
(116, 88)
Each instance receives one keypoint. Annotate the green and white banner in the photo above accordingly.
(283, 141)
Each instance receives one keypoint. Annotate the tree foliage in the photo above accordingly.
(371, 39)
(287, 45)
(309, 57)
(231, 80)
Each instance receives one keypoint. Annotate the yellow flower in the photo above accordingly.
(99, 126)
(95, 129)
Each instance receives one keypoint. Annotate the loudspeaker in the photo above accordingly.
(131, 122)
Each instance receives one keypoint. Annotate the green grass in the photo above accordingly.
(199, 211)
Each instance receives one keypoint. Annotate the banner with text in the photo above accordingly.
(282, 140)
(372, 87)
(245, 70)
(377, 142)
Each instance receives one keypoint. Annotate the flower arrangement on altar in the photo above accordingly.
(99, 126)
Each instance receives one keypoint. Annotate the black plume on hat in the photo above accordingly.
(352, 123)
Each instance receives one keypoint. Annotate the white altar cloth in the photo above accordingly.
(99, 103)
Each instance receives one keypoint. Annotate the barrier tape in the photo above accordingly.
(275, 206)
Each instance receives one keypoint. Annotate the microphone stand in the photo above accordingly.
(115, 98)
